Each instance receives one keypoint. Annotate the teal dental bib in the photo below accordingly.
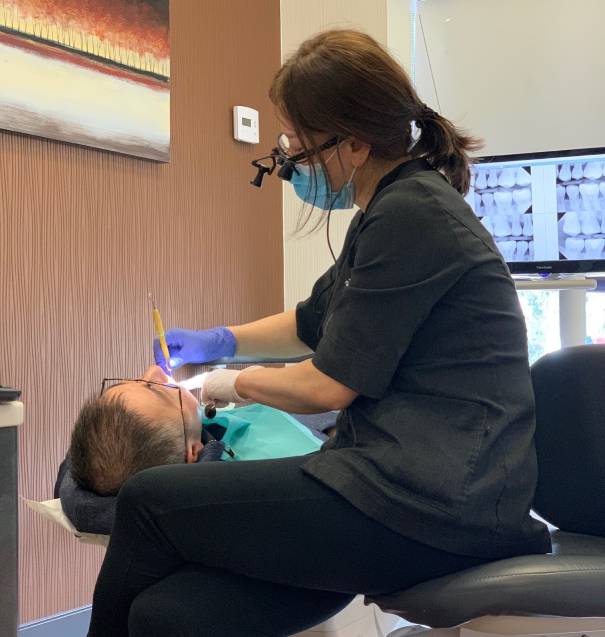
(258, 432)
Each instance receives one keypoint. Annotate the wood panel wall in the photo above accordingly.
(85, 234)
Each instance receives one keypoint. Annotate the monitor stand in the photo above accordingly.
(572, 301)
(554, 282)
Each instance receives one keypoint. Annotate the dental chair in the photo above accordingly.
(560, 593)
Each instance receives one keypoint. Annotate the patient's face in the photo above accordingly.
(160, 403)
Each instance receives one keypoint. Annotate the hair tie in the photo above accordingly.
(426, 112)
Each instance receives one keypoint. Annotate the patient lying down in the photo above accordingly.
(132, 426)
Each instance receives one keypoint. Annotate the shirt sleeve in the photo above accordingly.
(309, 313)
(407, 258)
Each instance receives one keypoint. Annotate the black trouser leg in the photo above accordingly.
(216, 603)
(264, 520)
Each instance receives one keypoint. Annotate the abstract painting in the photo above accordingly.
(89, 72)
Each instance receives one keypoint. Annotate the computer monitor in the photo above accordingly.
(545, 210)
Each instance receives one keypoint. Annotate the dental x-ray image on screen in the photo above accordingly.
(546, 211)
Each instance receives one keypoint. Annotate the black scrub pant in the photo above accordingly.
(242, 549)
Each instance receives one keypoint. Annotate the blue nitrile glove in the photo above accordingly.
(195, 346)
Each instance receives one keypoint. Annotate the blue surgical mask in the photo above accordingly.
(319, 193)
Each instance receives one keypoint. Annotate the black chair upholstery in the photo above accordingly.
(570, 438)
(569, 582)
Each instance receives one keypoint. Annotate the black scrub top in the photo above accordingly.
(421, 317)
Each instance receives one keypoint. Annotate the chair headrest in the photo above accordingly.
(569, 386)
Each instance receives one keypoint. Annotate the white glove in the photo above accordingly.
(219, 386)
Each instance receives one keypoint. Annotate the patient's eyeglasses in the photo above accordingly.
(108, 383)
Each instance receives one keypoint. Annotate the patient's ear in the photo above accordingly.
(193, 451)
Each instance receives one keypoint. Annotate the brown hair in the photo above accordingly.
(110, 443)
(342, 82)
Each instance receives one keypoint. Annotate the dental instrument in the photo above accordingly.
(159, 331)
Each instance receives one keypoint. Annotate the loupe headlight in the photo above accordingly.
(264, 169)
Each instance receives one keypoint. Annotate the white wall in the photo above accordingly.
(306, 257)
(526, 75)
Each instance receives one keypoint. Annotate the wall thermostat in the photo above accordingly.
(245, 124)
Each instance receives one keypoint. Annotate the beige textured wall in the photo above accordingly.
(84, 234)
(306, 257)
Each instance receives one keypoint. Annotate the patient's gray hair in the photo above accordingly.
(110, 443)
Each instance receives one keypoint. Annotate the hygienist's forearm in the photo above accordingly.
(299, 388)
(271, 336)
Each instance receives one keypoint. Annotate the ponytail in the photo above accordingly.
(371, 99)
(445, 147)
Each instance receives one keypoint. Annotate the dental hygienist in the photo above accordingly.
(416, 334)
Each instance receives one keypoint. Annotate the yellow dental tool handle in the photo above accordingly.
(159, 331)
